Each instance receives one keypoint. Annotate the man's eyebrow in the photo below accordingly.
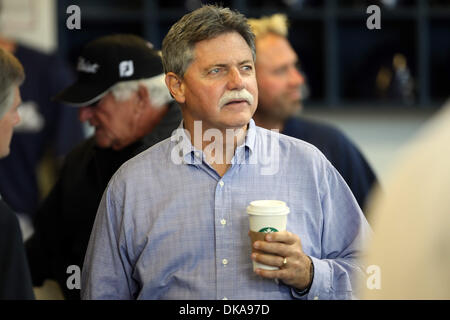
(295, 63)
(215, 65)
(223, 65)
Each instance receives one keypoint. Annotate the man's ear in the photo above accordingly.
(144, 98)
(176, 87)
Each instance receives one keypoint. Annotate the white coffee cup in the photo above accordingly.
(266, 216)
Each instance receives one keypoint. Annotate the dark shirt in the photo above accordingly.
(15, 279)
(340, 151)
(64, 221)
(44, 124)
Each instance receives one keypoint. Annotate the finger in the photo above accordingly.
(276, 248)
(282, 236)
(271, 274)
(268, 259)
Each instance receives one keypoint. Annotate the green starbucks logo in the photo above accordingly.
(268, 230)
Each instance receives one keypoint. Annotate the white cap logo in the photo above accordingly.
(126, 68)
(86, 66)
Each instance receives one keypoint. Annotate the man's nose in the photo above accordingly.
(296, 77)
(85, 113)
(235, 81)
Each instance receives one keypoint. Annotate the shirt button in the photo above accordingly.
(223, 222)
(224, 262)
(316, 298)
(221, 183)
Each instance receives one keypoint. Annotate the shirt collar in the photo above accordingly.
(251, 136)
(186, 153)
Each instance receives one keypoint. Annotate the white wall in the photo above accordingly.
(380, 135)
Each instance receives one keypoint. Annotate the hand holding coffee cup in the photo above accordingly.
(266, 216)
(277, 253)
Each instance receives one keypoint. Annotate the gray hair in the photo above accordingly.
(11, 75)
(205, 23)
(156, 87)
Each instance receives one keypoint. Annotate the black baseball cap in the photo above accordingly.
(107, 61)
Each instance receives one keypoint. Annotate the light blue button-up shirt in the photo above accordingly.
(170, 227)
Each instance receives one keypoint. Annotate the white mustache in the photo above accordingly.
(235, 95)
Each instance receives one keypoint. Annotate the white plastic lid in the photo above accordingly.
(268, 207)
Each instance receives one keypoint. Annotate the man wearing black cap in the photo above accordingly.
(121, 92)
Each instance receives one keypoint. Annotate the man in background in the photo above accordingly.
(121, 92)
(46, 128)
(279, 84)
(15, 280)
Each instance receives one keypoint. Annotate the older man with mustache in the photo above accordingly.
(170, 229)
